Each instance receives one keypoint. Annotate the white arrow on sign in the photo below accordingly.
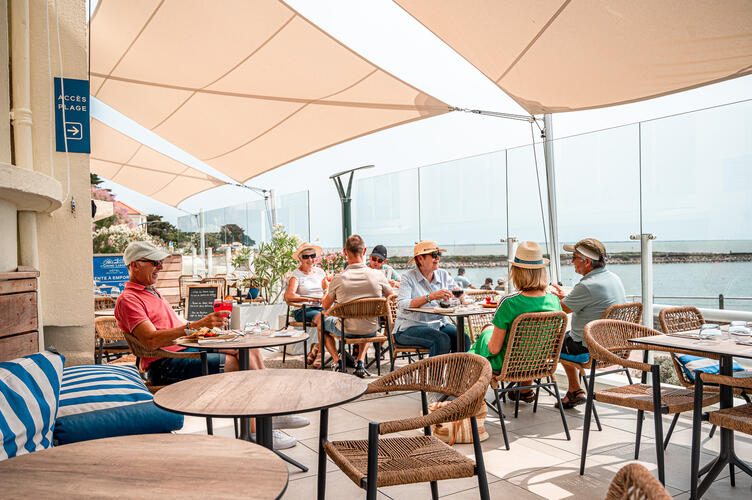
(73, 130)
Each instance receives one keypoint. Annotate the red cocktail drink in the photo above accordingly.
(223, 307)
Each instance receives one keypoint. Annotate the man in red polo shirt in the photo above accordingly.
(143, 312)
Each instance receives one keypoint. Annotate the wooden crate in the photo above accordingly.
(19, 333)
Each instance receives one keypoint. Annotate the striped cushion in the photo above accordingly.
(96, 387)
(690, 364)
(29, 391)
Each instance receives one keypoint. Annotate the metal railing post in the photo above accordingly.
(646, 275)
(721, 301)
(511, 250)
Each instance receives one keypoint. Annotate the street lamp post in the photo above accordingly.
(344, 197)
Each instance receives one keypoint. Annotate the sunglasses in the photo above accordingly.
(376, 259)
(155, 263)
(309, 256)
(435, 255)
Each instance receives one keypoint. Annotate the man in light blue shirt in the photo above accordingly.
(461, 280)
(597, 290)
(423, 286)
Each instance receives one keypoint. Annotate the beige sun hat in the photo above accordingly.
(589, 247)
(529, 256)
(306, 246)
(424, 247)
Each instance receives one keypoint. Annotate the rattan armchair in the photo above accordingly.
(736, 418)
(404, 460)
(480, 295)
(532, 354)
(103, 302)
(635, 482)
(183, 282)
(630, 312)
(477, 323)
(109, 340)
(358, 309)
(396, 349)
(608, 342)
(217, 280)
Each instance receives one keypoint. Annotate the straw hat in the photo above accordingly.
(306, 246)
(424, 247)
(529, 256)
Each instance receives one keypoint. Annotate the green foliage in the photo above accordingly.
(230, 233)
(274, 261)
(114, 239)
(95, 180)
(242, 257)
(161, 228)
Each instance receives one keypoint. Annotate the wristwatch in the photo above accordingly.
(428, 298)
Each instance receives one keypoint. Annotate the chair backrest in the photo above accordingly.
(361, 309)
(480, 295)
(183, 282)
(106, 328)
(630, 311)
(477, 322)
(217, 281)
(139, 349)
(534, 346)
(680, 319)
(635, 482)
(608, 342)
(103, 302)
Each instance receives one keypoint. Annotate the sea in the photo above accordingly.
(688, 281)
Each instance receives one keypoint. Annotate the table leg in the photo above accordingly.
(727, 455)
(244, 363)
(323, 435)
(264, 432)
(205, 371)
(461, 334)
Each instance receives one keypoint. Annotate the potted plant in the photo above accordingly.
(274, 261)
(254, 285)
(242, 259)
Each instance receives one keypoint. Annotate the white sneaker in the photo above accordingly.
(289, 422)
(280, 440)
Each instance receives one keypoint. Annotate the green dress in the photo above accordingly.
(510, 307)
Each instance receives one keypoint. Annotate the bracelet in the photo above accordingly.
(428, 298)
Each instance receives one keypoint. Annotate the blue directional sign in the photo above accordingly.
(110, 270)
(72, 115)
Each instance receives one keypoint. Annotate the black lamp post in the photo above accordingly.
(344, 196)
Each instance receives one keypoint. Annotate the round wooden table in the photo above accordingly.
(147, 466)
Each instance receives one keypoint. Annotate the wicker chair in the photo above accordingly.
(635, 482)
(404, 460)
(532, 354)
(480, 295)
(396, 349)
(477, 323)
(303, 324)
(359, 309)
(630, 312)
(109, 341)
(608, 342)
(216, 280)
(103, 302)
(183, 282)
(736, 418)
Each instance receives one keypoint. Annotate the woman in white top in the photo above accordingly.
(308, 283)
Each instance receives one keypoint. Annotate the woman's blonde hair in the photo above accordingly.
(529, 279)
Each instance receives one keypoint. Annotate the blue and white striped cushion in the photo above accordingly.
(691, 364)
(96, 387)
(29, 391)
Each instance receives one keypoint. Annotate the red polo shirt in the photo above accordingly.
(138, 304)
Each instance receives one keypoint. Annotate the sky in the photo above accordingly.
(381, 32)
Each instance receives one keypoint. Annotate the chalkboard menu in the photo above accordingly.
(200, 301)
(110, 270)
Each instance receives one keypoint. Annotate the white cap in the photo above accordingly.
(142, 250)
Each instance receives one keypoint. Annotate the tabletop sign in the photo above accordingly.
(200, 301)
(110, 270)
(72, 115)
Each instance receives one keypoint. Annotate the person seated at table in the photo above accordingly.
(499, 284)
(378, 261)
(461, 280)
(308, 283)
(528, 273)
(596, 291)
(487, 285)
(424, 286)
(141, 311)
(357, 281)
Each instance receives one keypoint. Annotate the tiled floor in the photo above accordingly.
(540, 464)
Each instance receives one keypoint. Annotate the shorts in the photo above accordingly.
(310, 313)
(572, 347)
(330, 325)
(165, 371)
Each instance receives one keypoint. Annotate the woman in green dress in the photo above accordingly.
(528, 273)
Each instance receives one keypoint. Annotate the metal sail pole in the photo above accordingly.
(553, 222)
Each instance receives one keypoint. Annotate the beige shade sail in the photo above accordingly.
(566, 55)
(245, 86)
(117, 157)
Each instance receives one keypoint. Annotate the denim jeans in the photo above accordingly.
(167, 371)
(440, 341)
(310, 313)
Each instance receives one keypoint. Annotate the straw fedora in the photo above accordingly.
(424, 247)
(306, 246)
(529, 256)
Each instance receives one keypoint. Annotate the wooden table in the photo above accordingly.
(726, 349)
(262, 394)
(147, 466)
(460, 313)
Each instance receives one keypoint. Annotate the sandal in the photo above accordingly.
(527, 396)
(573, 399)
(313, 355)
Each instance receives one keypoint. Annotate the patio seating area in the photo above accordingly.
(540, 464)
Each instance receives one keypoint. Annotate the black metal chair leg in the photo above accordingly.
(373, 464)
(658, 422)
(284, 353)
(638, 433)
(501, 420)
(480, 466)
(670, 430)
(712, 431)
(588, 413)
(561, 412)
(434, 490)
(696, 444)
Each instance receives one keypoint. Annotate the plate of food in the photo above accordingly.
(205, 333)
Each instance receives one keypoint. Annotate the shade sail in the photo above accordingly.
(245, 86)
(118, 158)
(571, 55)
